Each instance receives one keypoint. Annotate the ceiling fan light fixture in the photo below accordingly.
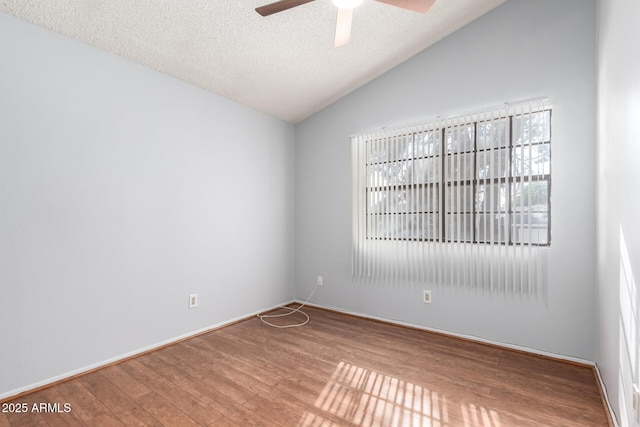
(347, 4)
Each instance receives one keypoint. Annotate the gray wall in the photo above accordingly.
(520, 50)
(122, 191)
(618, 354)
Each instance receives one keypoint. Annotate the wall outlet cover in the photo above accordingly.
(426, 297)
(635, 394)
(193, 300)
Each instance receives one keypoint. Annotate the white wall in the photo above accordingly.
(520, 50)
(122, 191)
(618, 354)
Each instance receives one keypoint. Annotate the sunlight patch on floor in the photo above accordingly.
(364, 397)
(474, 415)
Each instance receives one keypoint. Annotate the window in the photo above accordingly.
(460, 200)
(484, 181)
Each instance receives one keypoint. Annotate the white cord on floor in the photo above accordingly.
(262, 317)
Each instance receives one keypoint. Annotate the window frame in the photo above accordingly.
(441, 185)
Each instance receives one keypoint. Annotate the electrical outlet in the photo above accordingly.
(426, 297)
(193, 300)
(634, 400)
(320, 281)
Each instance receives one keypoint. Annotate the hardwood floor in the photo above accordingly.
(338, 370)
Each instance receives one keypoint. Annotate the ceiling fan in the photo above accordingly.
(345, 12)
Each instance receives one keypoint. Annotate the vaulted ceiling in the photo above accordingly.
(284, 64)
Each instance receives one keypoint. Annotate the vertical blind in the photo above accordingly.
(462, 201)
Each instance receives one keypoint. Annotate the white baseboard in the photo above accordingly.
(85, 369)
(457, 335)
(606, 396)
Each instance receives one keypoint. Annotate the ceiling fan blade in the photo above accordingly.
(343, 27)
(420, 6)
(279, 6)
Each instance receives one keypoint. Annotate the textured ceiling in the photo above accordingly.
(284, 65)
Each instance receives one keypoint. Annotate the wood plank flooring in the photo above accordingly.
(338, 370)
